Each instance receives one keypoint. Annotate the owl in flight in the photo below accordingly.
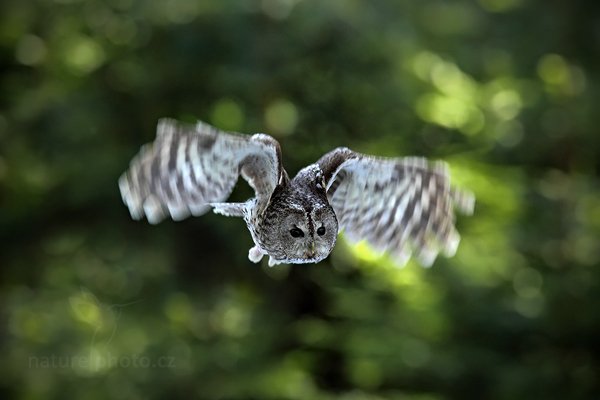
(401, 205)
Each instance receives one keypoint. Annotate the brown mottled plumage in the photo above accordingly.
(401, 205)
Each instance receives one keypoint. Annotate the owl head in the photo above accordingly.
(297, 232)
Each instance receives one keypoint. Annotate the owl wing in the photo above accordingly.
(188, 167)
(402, 205)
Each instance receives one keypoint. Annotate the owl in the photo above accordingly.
(404, 206)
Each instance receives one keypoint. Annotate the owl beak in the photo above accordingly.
(312, 251)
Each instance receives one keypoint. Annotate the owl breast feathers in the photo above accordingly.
(404, 206)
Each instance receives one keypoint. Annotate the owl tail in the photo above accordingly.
(229, 209)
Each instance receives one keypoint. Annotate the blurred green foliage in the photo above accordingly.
(96, 306)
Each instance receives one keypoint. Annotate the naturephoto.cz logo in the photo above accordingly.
(98, 362)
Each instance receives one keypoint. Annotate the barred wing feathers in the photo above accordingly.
(188, 167)
(401, 205)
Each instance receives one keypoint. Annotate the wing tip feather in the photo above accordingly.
(153, 210)
(129, 198)
(464, 201)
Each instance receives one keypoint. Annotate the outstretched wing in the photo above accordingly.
(187, 167)
(402, 205)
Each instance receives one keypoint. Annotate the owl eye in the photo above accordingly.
(296, 232)
(321, 231)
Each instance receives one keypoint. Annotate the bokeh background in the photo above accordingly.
(96, 306)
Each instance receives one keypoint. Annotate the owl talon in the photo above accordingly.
(255, 254)
(273, 262)
(229, 209)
